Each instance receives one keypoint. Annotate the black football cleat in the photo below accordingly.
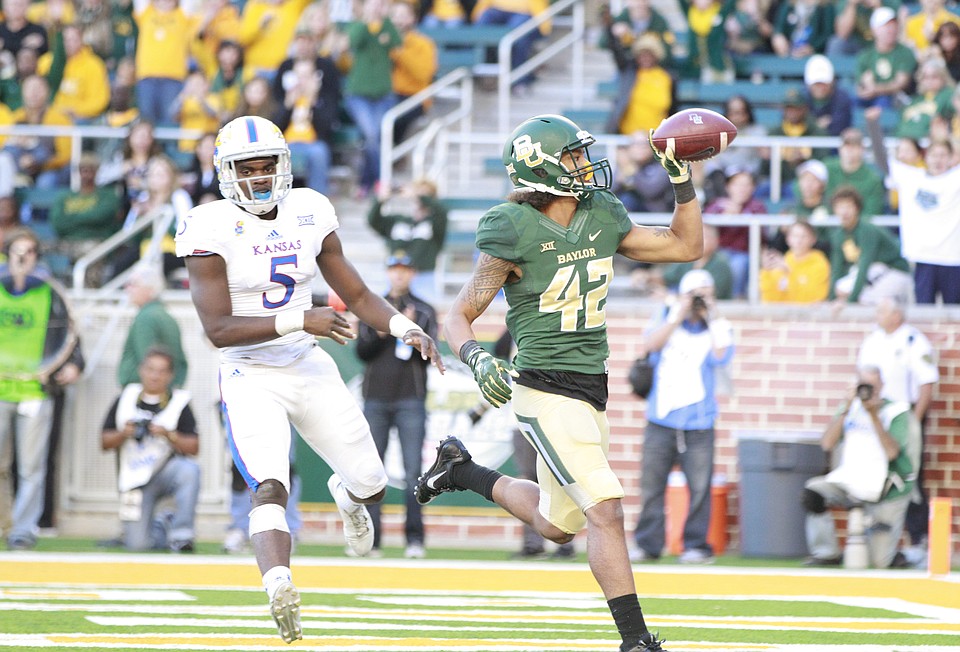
(648, 643)
(436, 480)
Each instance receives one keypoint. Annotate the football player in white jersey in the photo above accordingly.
(251, 259)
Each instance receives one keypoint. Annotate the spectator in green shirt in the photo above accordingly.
(152, 327)
(368, 90)
(848, 168)
(86, 217)
(885, 68)
(865, 260)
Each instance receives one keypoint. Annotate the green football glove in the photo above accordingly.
(678, 171)
(493, 376)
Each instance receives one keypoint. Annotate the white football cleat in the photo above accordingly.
(285, 609)
(357, 525)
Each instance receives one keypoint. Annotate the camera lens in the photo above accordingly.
(141, 430)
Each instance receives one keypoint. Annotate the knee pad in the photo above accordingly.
(813, 502)
(270, 492)
(270, 516)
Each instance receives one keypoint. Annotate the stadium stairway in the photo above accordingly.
(487, 181)
(486, 178)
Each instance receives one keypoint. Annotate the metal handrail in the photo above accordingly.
(436, 130)
(607, 144)
(390, 153)
(574, 40)
(78, 133)
(465, 221)
(113, 242)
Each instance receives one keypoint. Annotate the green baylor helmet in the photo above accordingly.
(533, 152)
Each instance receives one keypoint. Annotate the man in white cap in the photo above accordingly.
(885, 68)
(830, 105)
(687, 344)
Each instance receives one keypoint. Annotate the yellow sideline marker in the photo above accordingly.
(939, 544)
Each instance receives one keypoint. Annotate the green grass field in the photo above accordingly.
(99, 601)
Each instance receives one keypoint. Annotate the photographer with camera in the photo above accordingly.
(157, 436)
(877, 471)
(688, 345)
(908, 363)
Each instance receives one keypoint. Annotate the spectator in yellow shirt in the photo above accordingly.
(45, 160)
(645, 97)
(444, 13)
(414, 64)
(52, 15)
(219, 22)
(513, 13)
(266, 31)
(84, 91)
(921, 27)
(8, 166)
(163, 53)
(195, 108)
(802, 275)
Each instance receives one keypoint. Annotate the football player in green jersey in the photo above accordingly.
(550, 247)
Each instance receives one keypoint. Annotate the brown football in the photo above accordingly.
(694, 134)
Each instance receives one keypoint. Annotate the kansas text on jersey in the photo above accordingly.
(271, 264)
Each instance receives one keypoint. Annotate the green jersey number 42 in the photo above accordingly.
(563, 295)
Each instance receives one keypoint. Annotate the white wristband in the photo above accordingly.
(400, 326)
(288, 322)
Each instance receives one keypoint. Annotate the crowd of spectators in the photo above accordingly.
(314, 68)
(858, 58)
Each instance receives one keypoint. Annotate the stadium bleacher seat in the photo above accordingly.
(592, 120)
(450, 59)
(770, 93)
(466, 46)
(607, 89)
(38, 203)
(778, 68)
(888, 120)
(469, 203)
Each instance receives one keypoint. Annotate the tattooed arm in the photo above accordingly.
(682, 241)
(488, 277)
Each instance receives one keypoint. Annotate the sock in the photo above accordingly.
(628, 617)
(476, 478)
(274, 577)
(343, 499)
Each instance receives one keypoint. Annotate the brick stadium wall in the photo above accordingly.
(792, 367)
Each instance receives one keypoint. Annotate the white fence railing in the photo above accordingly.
(464, 221)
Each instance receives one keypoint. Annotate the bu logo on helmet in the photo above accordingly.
(528, 151)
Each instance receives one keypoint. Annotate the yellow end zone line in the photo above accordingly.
(120, 570)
